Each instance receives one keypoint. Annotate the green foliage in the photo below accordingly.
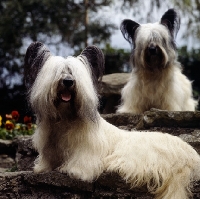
(190, 61)
(40, 20)
(116, 60)
(189, 11)
(19, 129)
(13, 169)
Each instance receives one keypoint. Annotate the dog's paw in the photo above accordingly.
(41, 169)
(62, 169)
(76, 173)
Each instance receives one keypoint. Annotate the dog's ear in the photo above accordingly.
(95, 58)
(128, 28)
(171, 20)
(35, 57)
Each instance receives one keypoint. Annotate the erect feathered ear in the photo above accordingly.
(128, 28)
(171, 20)
(35, 57)
(95, 58)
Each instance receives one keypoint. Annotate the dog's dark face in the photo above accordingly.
(63, 86)
(153, 44)
(66, 88)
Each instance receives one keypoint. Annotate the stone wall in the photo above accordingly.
(110, 91)
(23, 183)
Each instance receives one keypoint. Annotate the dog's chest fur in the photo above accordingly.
(151, 88)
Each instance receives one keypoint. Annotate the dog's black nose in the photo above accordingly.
(68, 82)
(152, 50)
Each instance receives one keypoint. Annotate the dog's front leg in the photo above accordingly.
(47, 160)
(42, 165)
(86, 169)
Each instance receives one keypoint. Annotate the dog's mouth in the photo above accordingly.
(66, 91)
(65, 95)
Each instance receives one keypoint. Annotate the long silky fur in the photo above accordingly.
(73, 138)
(157, 81)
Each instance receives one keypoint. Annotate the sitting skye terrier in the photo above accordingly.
(73, 138)
(156, 80)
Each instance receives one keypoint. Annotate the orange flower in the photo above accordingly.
(27, 120)
(29, 125)
(9, 125)
(15, 115)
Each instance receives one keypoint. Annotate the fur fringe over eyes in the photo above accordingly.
(45, 75)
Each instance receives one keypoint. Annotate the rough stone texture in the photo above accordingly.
(110, 90)
(6, 161)
(26, 154)
(56, 185)
(126, 121)
(7, 154)
(25, 184)
(184, 119)
(113, 83)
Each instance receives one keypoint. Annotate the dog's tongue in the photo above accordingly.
(66, 96)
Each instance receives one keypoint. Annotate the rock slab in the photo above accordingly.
(56, 185)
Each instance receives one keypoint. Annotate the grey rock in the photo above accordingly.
(6, 162)
(113, 83)
(184, 119)
(7, 154)
(57, 185)
(110, 90)
(26, 184)
(26, 154)
(126, 121)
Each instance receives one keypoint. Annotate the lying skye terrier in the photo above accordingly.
(73, 138)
